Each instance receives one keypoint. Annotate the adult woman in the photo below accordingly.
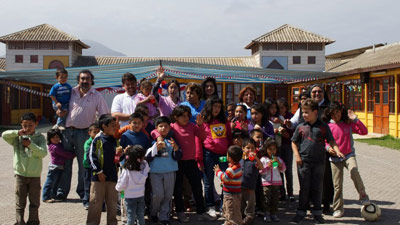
(193, 100)
(209, 87)
(167, 103)
(247, 97)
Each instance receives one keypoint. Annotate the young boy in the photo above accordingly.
(94, 129)
(163, 157)
(231, 180)
(104, 175)
(29, 149)
(60, 94)
(238, 136)
(135, 134)
(257, 136)
(308, 143)
(251, 166)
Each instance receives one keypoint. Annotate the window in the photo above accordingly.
(354, 97)
(300, 46)
(311, 60)
(270, 47)
(335, 92)
(370, 88)
(296, 59)
(61, 45)
(315, 47)
(31, 45)
(19, 59)
(77, 48)
(25, 99)
(391, 94)
(254, 49)
(34, 59)
(16, 45)
(285, 46)
(46, 45)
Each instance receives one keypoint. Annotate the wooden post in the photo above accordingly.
(396, 98)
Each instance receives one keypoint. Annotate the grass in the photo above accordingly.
(385, 141)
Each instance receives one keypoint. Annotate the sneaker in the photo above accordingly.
(248, 221)
(267, 219)
(165, 222)
(86, 206)
(291, 198)
(364, 199)
(205, 217)
(319, 219)
(55, 127)
(61, 127)
(182, 217)
(212, 212)
(49, 200)
(297, 219)
(275, 218)
(327, 210)
(338, 213)
(154, 219)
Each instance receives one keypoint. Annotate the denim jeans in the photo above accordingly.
(135, 210)
(61, 120)
(51, 184)
(87, 182)
(73, 140)
(210, 160)
(311, 176)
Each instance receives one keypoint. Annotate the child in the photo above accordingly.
(251, 165)
(343, 124)
(218, 139)
(308, 144)
(286, 151)
(163, 157)
(56, 166)
(29, 149)
(238, 136)
(257, 136)
(167, 103)
(135, 135)
(132, 181)
(104, 176)
(60, 94)
(146, 97)
(231, 181)
(260, 120)
(94, 129)
(271, 179)
(230, 110)
(189, 137)
(275, 119)
(240, 121)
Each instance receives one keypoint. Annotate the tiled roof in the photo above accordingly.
(373, 59)
(245, 61)
(290, 34)
(332, 63)
(43, 32)
(2, 64)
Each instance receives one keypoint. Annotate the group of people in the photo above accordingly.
(156, 149)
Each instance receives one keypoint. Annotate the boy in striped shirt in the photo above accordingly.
(231, 180)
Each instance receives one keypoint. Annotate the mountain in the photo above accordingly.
(98, 49)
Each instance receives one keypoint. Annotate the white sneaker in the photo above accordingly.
(205, 217)
(212, 213)
(338, 213)
(182, 217)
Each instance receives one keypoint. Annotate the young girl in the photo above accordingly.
(56, 166)
(271, 179)
(260, 120)
(343, 123)
(218, 139)
(132, 181)
(240, 121)
(286, 151)
(209, 86)
(167, 103)
(275, 119)
(146, 97)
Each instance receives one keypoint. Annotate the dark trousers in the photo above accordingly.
(190, 170)
(210, 160)
(86, 183)
(287, 157)
(328, 189)
(271, 199)
(311, 176)
(27, 187)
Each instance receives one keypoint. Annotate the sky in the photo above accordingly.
(207, 27)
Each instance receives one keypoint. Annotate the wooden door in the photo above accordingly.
(381, 105)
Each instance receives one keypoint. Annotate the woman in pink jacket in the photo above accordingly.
(343, 123)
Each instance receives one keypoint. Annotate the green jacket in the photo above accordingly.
(86, 147)
(27, 164)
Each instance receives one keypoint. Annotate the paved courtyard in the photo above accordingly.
(379, 168)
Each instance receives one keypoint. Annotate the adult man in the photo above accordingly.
(85, 102)
(124, 105)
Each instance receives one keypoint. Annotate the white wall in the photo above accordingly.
(319, 59)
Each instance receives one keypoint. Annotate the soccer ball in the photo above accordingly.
(370, 212)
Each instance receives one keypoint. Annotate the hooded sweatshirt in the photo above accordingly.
(27, 161)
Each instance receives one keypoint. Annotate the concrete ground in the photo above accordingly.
(379, 168)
